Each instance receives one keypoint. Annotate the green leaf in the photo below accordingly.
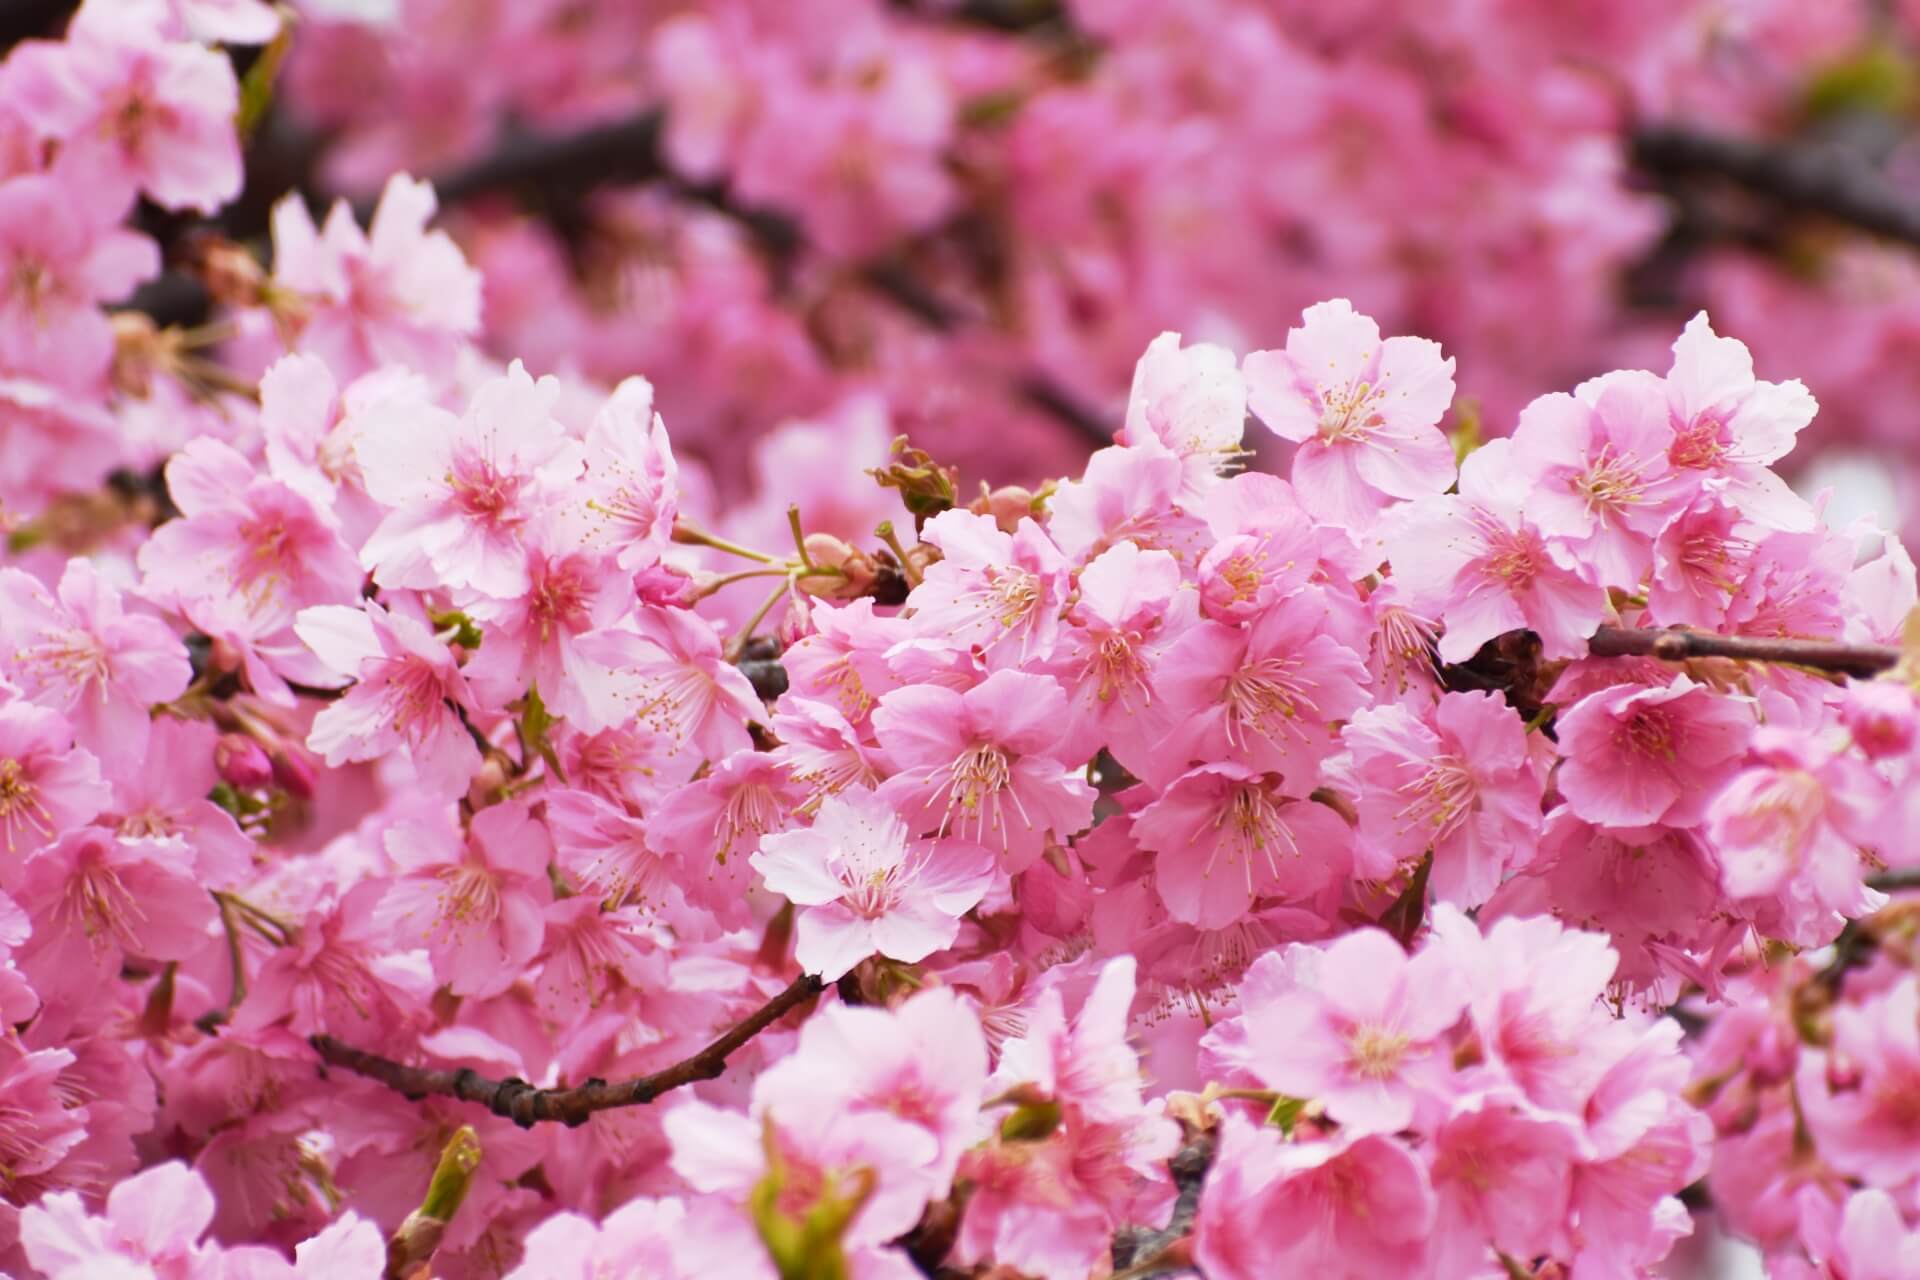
(256, 89)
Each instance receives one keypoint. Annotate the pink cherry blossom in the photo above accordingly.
(1595, 468)
(1502, 1177)
(97, 901)
(924, 1061)
(476, 903)
(1729, 425)
(1190, 402)
(605, 848)
(60, 257)
(1269, 695)
(1364, 411)
(1049, 1206)
(406, 690)
(1476, 564)
(244, 535)
(82, 654)
(463, 489)
(1224, 836)
(979, 765)
(1792, 824)
(1351, 1206)
(396, 293)
(1459, 781)
(998, 594)
(47, 785)
(631, 476)
(1362, 1034)
(1637, 755)
(673, 681)
(865, 888)
(152, 1226)
(133, 109)
(1863, 1124)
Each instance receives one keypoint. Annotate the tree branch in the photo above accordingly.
(1678, 646)
(518, 1101)
(1829, 181)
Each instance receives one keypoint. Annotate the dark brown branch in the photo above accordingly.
(1829, 181)
(1678, 646)
(526, 1106)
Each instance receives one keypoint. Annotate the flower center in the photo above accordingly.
(1377, 1051)
(1118, 670)
(1651, 732)
(482, 490)
(1698, 444)
(20, 804)
(1348, 414)
(1440, 798)
(1264, 697)
(1611, 483)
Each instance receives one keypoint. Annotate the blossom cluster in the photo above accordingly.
(943, 874)
(1066, 178)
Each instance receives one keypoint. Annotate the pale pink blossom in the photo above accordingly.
(1364, 411)
(980, 765)
(1728, 425)
(246, 535)
(1364, 1035)
(670, 678)
(133, 109)
(1190, 402)
(1476, 564)
(475, 901)
(630, 478)
(1459, 780)
(1595, 469)
(407, 691)
(923, 1061)
(151, 1226)
(84, 655)
(1049, 1205)
(864, 887)
(995, 593)
(48, 786)
(462, 489)
(394, 294)
(60, 256)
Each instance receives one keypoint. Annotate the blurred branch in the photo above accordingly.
(1829, 181)
(526, 1106)
(29, 19)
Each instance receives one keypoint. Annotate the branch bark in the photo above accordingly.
(518, 1101)
(1678, 646)
(1829, 181)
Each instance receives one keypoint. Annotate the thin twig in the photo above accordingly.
(526, 1106)
(1678, 646)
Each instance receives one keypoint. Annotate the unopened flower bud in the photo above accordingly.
(242, 762)
(1008, 505)
(666, 587)
(293, 770)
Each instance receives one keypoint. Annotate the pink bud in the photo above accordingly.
(242, 762)
(293, 770)
(669, 588)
